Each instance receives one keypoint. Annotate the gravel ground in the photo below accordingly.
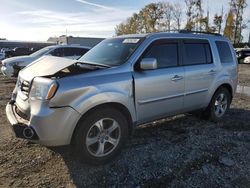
(183, 151)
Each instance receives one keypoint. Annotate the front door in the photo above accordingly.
(160, 92)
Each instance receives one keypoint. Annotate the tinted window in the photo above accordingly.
(224, 52)
(197, 53)
(79, 51)
(166, 54)
(59, 52)
(69, 52)
(208, 53)
(66, 52)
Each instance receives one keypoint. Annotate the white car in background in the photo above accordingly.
(11, 66)
(247, 60)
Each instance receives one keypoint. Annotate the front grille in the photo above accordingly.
(25, 88)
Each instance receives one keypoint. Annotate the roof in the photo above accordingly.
(177, 34)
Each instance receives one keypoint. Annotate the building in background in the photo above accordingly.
(70, 40)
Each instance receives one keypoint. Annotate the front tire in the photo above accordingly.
(99, 137)
(219, 105)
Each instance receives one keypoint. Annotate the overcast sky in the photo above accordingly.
(37, 20)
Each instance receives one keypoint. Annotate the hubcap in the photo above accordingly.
(103, 137)
(220, 105)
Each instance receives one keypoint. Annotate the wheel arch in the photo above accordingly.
(120, 107)
(228, 87)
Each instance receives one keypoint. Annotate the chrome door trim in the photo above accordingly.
(195, 92)
(145, 101)
(159, 98)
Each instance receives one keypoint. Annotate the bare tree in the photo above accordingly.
(218, 20)
(167, 17)
(238, 7)
(177, 16)
(190, 13)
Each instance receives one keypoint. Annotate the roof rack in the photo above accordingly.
(199, 32)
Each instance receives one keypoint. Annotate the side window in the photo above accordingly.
(197, 53)
(82, 51)
(224, 52)
(166, 54)
(69, 52)
(59, 52)
(79, 51)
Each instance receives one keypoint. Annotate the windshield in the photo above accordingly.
(112, 52)
(41, 51)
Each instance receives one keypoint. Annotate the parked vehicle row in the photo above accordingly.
(95, 102)
(11, 66)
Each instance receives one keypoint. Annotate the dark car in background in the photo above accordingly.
(18, 51)
(242, 54)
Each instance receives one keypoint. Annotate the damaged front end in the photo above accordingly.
(30, 111)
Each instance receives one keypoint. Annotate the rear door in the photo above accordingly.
(159, 92)
(200, 72)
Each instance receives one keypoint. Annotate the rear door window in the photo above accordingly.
(196, 52)
(224, 52)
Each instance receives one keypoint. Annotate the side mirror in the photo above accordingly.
(148, 64)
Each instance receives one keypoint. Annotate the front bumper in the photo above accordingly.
(51, 126)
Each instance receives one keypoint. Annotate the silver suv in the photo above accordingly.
(95, 102)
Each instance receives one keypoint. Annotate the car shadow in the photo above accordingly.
(158, 152)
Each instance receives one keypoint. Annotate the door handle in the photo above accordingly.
(176, 78)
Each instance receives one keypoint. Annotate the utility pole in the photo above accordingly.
(66, 36)
(207, 24)
(222, 14)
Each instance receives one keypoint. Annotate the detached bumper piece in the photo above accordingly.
(20, 129)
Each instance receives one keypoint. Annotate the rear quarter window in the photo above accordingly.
(224, 50)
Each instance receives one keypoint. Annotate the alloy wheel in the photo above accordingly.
(103, 137)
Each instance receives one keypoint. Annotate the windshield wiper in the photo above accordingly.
(94, 64)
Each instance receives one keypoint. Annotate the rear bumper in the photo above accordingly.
(51, 127)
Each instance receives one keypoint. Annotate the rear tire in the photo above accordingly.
(100, 136)
(218, 105)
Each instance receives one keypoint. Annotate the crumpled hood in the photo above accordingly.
(45, 66)
(25, 58)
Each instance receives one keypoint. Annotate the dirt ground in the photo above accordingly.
(183, 151)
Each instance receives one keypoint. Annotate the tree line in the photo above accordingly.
(166, 16)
